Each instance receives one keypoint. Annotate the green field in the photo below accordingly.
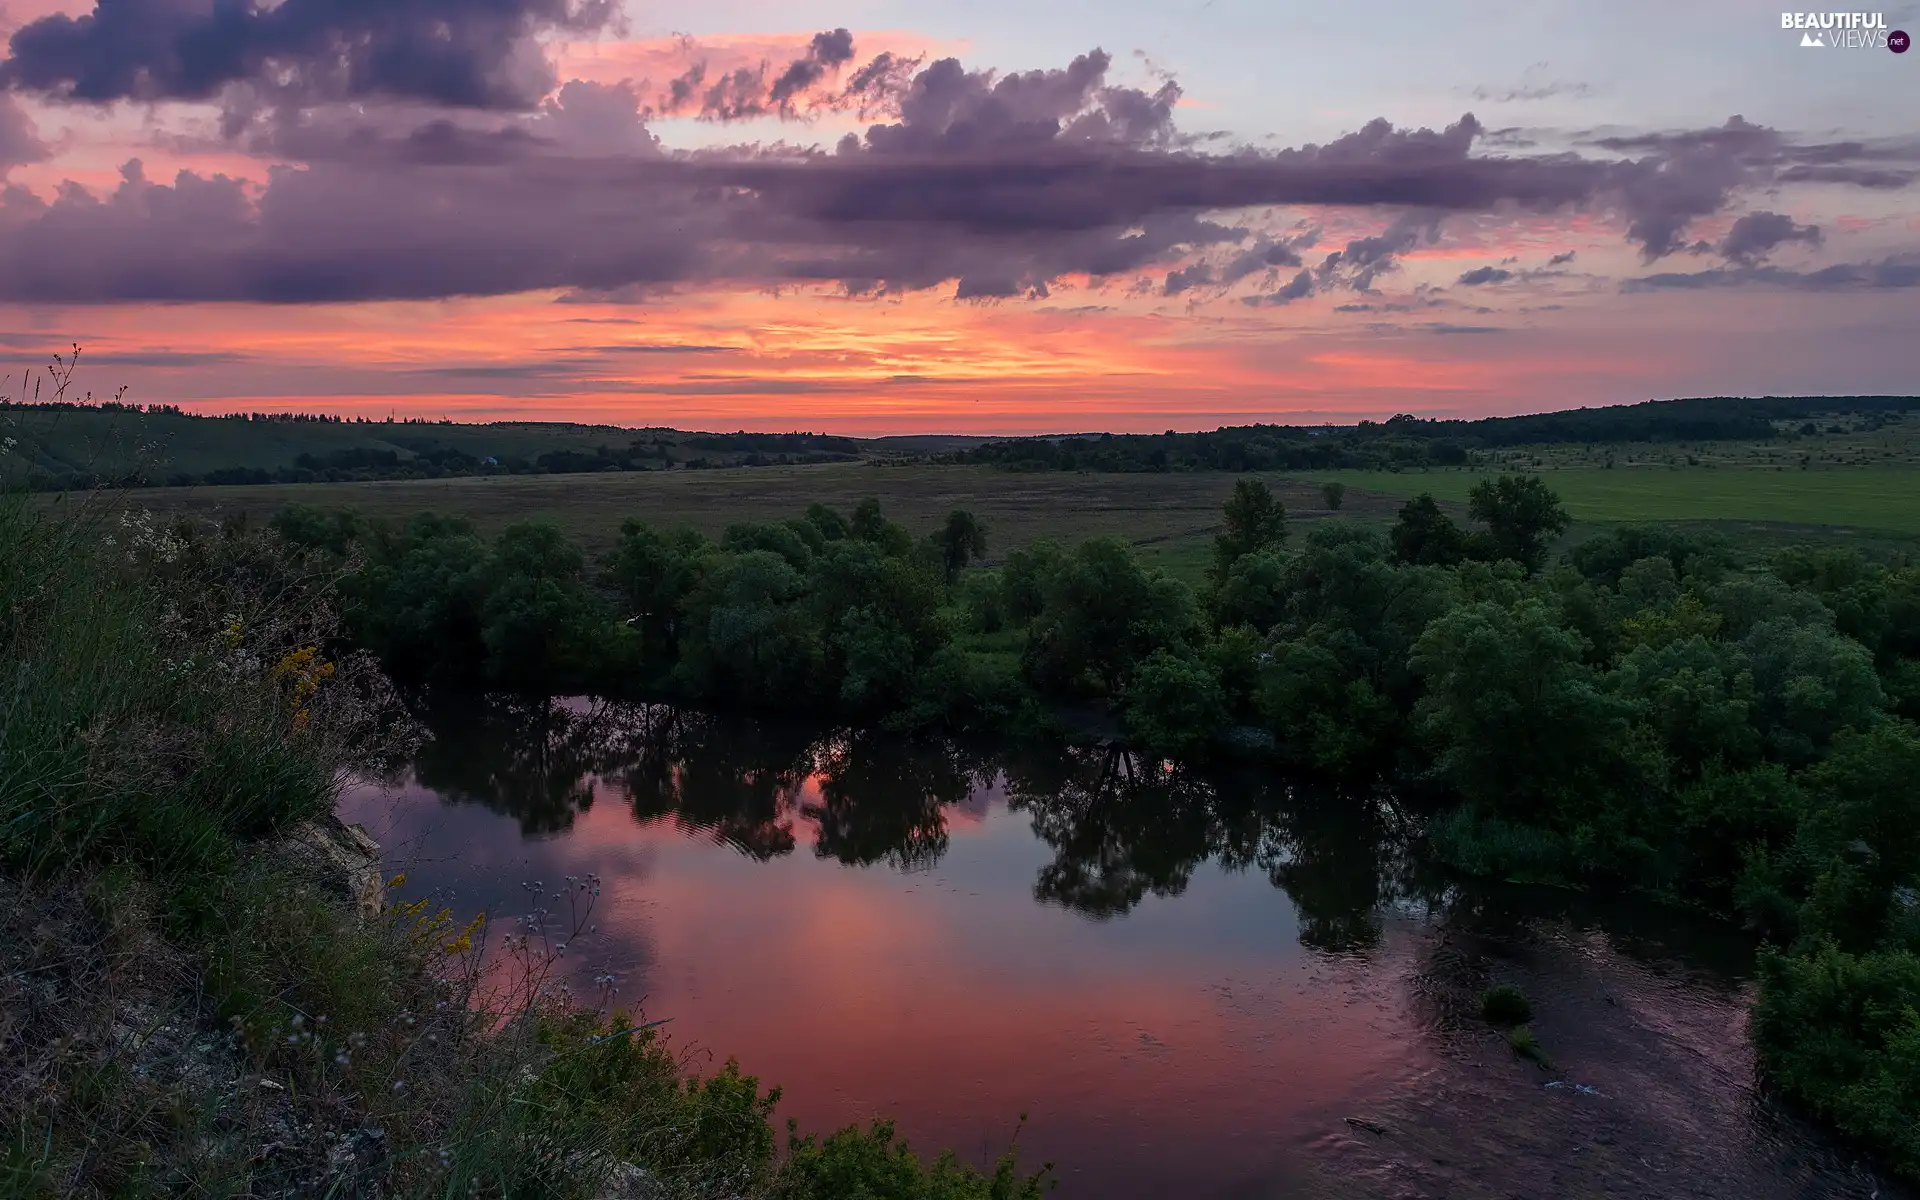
(1171, 519)
(1869, 499)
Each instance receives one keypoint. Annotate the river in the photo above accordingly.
(1222, 986)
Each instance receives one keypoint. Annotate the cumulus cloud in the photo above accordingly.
(999, 184)
(463, 53)
(1363, 259)
(1756, 234)
(1299, 287)
(810, 84)
(1263, 253)
(1484, 275)
(19, 142)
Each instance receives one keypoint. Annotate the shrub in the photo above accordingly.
(1505, 1005)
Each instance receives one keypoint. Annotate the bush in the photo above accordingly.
(1521, 1039)
(869, 1164)
(1840, 1035)
(1504, 1005)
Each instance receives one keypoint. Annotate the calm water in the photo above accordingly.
(1189, 984)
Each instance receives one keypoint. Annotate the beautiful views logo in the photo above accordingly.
(1844, 30)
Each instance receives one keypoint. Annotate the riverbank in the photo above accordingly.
(1188, 980)
(206, 992)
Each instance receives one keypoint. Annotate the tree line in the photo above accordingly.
(1404, 442)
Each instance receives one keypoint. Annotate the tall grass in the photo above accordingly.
(166, 692)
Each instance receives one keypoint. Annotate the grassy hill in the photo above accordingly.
(67, 446)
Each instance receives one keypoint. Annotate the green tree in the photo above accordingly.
(1522, 516)
(1839, 1034)
(1101, 613)
(654, 572)
(748, 639)
(1518, 723)
(1253, 592)
(1175, 706)
(543, 630)
(1255, 520)
(1425, 536)
(1333, 492)
(417, 603)
(1809, 683)
(961, 540)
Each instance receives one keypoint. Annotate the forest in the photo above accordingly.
(1649, 710)
(1407, 442)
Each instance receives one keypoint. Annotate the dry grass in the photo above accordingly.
(1170, 518)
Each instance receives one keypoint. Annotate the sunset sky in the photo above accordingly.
(973, 216)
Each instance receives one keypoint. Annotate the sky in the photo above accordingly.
(967, 216)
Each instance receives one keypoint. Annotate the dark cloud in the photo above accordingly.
(463, 53)
(1298, 288)
(1894, 272)
(19, 144)
(1363, 259)
(1480, 275)
(1445, 328)
(1561, 260)
(1262, 253)
(807, 86)
(826, 52)
(1684, 176)
(999, 184)
(1756, 234)
(1194, 275)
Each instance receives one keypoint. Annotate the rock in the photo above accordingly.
(1247, 740)
(344, 858)
(628, 1182)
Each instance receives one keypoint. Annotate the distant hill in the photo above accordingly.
(1407, 441)
(65, 446)
(69, 446)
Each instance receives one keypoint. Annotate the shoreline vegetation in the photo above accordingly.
(205, 994)
(1652, 710)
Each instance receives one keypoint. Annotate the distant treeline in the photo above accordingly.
(1408, 441)
(428, 460)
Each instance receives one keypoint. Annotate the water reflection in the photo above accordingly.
(1121, 827)
(1189, 980)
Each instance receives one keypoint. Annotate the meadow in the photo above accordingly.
(1877, 499)
(1170, 519)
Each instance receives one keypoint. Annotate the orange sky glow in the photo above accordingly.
(1486, 312)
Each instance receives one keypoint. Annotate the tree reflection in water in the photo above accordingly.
(1121, 827)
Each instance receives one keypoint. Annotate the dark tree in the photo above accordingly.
(961, 540)
(1425, 536)
(1522, 516)
(1255, 521)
